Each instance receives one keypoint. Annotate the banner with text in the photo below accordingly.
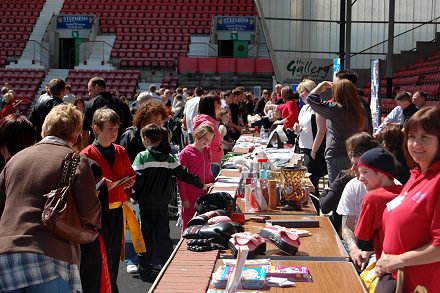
(235, 23)
(294, 70)
(336, 66)
(74, 21)
(376, 110)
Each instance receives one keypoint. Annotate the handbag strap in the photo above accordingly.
(70, 164)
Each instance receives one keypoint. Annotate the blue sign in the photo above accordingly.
(336, 66)
(235, 23)
(74, 21)
(375, 102)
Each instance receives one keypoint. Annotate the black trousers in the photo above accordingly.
(312, 167)
(155, 228)
(90, 268)
(112, 226)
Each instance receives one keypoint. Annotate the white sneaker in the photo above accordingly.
(132, 269)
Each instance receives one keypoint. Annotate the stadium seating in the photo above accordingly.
(25, 82)
(149, 34)
(422, 76)
(16, 24)
(122, 81)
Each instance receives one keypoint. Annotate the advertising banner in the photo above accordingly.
(375, 104)
(336, 66)
(74, 21)
(235, 23)
(294, 70)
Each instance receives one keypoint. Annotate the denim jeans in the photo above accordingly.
(56, 285)
(130, 255)
(336, 165)
(190, 138)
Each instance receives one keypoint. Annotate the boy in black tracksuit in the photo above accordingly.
(154, 168)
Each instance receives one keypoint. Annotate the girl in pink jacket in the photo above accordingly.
(197, 159)
(209, 107)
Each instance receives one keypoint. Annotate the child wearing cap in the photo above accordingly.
(376, 168)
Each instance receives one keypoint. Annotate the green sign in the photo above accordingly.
(240, 49)
(234, 36)
(75, 34)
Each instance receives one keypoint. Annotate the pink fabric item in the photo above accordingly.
(216, 143)
(288, 236)
(197, 163)
(219, 219)
(252, 241)
(210, 214)
(188, 214)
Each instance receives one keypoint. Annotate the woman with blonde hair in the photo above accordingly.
(33, 258)
(311, 128)
(345, 116)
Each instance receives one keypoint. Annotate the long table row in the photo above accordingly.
(322, 253)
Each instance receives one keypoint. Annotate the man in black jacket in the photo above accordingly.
(102, 98)
(39, 112)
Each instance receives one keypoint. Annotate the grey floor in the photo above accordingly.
(128, 283)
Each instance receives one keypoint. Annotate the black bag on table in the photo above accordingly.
(215, 201)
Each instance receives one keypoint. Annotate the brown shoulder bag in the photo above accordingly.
(60, 214)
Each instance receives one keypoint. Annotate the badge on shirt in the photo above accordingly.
(395, 202)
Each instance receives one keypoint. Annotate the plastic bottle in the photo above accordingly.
(262, 165)
(272, 189)
(262, 132)
(247, 192)
(263, 178)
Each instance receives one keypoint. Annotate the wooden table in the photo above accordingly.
(323, 245)
(186, 271)
(327, 277)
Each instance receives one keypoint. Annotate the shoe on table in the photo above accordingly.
(132, 269)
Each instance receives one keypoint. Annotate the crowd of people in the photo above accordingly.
(384, 212)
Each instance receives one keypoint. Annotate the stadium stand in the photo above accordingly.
(16, 23)
(24, 82)
(422, 76)
(123, 81)
(149, 34)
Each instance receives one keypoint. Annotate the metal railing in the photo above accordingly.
(40, 54)
(86, 48)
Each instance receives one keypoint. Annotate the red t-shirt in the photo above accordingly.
(369, 224)
(414, 223)
(289, 110)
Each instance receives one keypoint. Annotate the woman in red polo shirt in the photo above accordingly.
(411, 221)
(289, 111)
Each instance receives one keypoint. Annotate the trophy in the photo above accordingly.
(293, 187)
